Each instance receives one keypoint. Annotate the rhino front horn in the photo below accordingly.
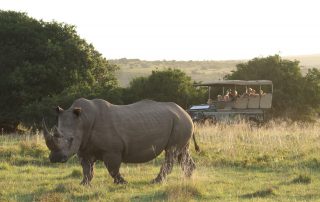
(46, 133)
(47, 136)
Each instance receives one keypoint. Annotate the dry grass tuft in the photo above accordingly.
(182, 192)
(52, 197)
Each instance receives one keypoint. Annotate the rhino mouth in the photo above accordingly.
(58, 158)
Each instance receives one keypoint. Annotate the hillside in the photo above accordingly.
(199, 70)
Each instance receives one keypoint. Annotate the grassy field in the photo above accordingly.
(205, 71)
(198, 70)
(276, 162)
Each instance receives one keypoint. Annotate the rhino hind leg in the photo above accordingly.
(166, 167)
(113, 162)
(87, 169)
(186, 162)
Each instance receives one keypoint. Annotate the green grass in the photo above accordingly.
(277, 162)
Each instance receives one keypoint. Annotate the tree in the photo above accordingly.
(40, 60)
(169, 85)
(292, 97)
(312, 91)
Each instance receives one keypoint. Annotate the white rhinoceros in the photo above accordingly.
(135, 133)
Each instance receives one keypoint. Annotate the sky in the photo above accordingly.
(186, 29)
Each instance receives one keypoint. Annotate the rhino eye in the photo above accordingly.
(56, 135)
(70, 140)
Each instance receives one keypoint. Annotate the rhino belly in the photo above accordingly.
(143, 152)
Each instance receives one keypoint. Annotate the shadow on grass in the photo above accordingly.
(39, 195)
(301, 179)
(308, 197)
(260, 194)
(157, 196)
(172, 192)
(39, 162)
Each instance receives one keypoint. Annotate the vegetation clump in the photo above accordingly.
(260, 194)
(4, 166)
(302, 179)
(76, 173)
(182, 192)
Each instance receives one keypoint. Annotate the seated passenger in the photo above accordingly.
(220, 98)
(233, 94)
(226, 98)
(252, 92)
(245, 94)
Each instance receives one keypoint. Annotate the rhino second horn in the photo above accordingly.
(56, 132)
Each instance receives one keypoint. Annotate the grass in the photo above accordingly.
(276, 162)
(302, 179)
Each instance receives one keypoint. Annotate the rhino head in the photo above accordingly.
(66, 138)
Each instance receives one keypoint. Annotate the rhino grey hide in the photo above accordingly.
(135, 133)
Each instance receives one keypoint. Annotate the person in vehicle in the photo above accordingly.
(233, 94)
(252, 92)
(220, 98)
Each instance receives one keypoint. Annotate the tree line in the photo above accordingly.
(44, 64)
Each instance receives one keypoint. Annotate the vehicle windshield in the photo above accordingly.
(196, 107)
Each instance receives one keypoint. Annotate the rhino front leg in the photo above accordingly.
(87, 169)
(166, 167)
(113, 162)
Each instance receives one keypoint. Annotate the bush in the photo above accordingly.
(40, 60)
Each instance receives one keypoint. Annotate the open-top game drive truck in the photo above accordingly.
(231, 100)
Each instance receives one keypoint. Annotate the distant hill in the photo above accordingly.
(306, 61)
(199, 70)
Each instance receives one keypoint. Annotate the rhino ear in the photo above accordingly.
(77, 111)
(59, 110)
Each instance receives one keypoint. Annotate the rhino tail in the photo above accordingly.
(196, 146)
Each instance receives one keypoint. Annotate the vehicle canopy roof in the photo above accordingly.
(236, 82)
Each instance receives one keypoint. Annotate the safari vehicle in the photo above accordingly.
(234, 100)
